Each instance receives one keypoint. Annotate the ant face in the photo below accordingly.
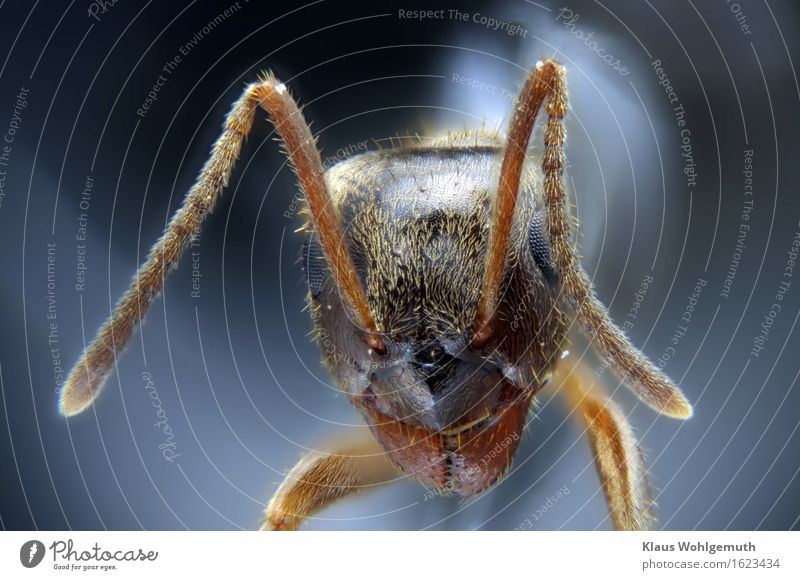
(416, 225)
(448, 442)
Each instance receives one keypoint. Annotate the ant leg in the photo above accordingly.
(548, 81)
(91, 371)
(618, 458)
(352, 463)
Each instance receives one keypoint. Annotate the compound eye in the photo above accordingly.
(315, 265)
(540, 247)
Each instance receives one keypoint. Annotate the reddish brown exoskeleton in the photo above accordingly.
(444, 277)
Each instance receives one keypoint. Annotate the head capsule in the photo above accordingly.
(415, 221)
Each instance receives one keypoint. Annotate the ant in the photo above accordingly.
(445, 278)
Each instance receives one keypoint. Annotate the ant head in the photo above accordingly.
(415, 226)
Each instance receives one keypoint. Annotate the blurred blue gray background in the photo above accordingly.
(226, 349)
